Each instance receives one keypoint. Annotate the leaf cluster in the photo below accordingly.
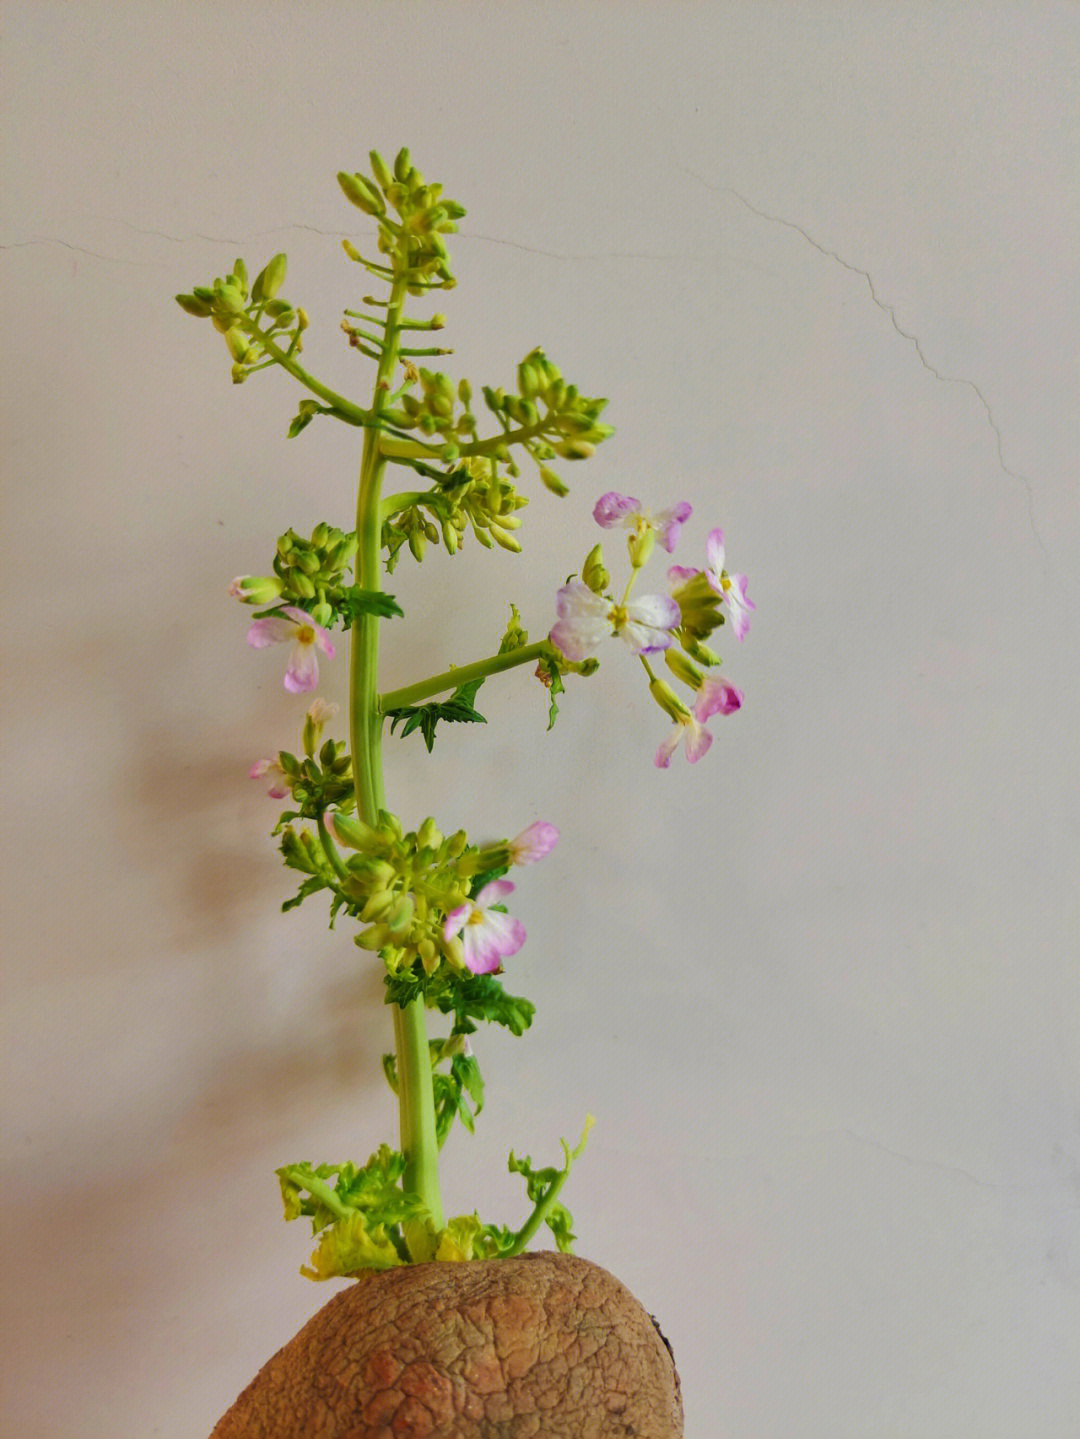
(458, 709)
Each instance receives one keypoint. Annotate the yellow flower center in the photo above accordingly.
(305, 635)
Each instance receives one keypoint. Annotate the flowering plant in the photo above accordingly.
(430, 905)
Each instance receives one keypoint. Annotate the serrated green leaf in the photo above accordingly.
(458, 709)
(356, 601)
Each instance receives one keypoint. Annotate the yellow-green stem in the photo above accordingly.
(416, 1102)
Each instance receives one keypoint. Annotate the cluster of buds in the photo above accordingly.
(308, 573)
(402, 885)
(237, 312)
(414, 892)
(434, 411)
(413, 241)
(555, 418)
(471, 495)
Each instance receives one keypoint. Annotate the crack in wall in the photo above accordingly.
(913, 340)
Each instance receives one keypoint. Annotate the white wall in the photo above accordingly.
(821, 990)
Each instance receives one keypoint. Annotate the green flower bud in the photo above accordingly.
(355, 834)
(259, 589)
(429, 836)
(238, 343)
(321, 613)
(528, 380)
(350, 250)
(377, 936)
(641, 544)
(683, 668)
(380, 169)
(668, 700)
(550, 480)
(575, 449)
(301, 586)
(358, 193)
(240, 275)
(228, 300)
(593, 572)
(402, 168)
(400, 916)
(201, 309)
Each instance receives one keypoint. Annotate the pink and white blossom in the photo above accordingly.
(586, 618)
(272, 770)
(533, 843)
(730, 588)
(714, 697)
(487, 936)
(302, 670)
(613, 509)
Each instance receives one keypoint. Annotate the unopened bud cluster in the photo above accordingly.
(413, 242)
(317, 785)
(402, 885)
(700, 614)
(309, 573)
(237, 312)
(471, 495)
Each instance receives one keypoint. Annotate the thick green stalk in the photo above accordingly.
(416, 1102)
(451, 679)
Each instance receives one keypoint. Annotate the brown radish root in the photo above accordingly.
(544, 1346)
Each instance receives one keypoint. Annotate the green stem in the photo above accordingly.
(451, 679)
(416, 1102)
(394, 504)
(330, 850)
(539, 1214)
(349, 412)
(414, 450)
(318, 1189)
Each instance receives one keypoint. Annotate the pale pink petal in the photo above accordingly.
(273, 630)
(302, 671)
(714, 556)
(493, 892)
(644, 639)
(612, 509)
(668, 523)
(717, 697)
(455, 920)
(657, 611)
(739, 605)
(533, 843)
(667, 747)
(505, 931)
(679, 574)
(698, 740)
(482, 954)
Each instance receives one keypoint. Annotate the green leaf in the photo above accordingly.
(458, 709)
(356, 601)
(551, 676)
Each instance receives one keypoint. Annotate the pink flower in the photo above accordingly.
(263, 768)
(585, 619)
(614, 509)
(487, 936)
(731, 588)
(302, 671)
(533, 843)
(714, 697)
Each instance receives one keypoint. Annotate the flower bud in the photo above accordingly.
(270, 278)
(668, 700)
(550, 480)
(380, 169)
(593, 572)
(575, 449)
(428, 836)
(400, 916)
(194, 306)
(683, 668)
(351, 832)
(641, 544)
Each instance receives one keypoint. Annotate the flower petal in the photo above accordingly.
(612, 509)
(698, 740)
(455, 920)
(533, 843)
(658, 611)
(714, 555)
(302, 671)
(667, 748)
(492, 892)
(717, 697)
(273, 630)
